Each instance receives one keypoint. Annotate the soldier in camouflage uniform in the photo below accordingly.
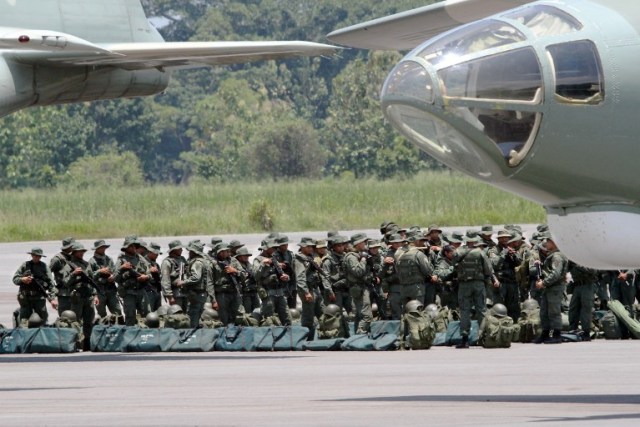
(390, 281)
(415, 272)
(102, 271)
(581, 304)
(172, 274)
(227, 277)
(375, 263)
(485, 234)
(312, 283)
(447, 278)
(434, 243)
(76, 277)
(154, 286)
(285, 258)
(332, 266)
(196, 286)
(250, 299)
(34, 279)
(358, 274)
(552, 285)
(132, 273)
(271, 284)
(56, 264)
(505, 259)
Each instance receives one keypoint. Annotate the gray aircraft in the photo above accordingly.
(539, 98)
(63, 51)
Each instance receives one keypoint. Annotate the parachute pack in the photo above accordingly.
(417, 331)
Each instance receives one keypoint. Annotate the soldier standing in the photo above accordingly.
(271, 280)
(132, 272)
(311, 283)
(36, 287)
(250, 299)
(154, 286)
(227, 277)
(358, 274)
(582, 301)
(56, 264)
(172, 274)
(375, 263)
(447, 278)
(415, 272)
(505, 259)
(285, 257)
(196, 282)
(333, 268)
(102, 271)
(389, 276)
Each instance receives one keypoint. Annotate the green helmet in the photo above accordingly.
(332, 310)
(530, 304)
(374, 308)
(209, 314)
(162, 310)
(153, 320)
(175, 308)
(432, 310)
(295, 313)
(499, 310)
(413, 306)
(34, 321)
(208, 305)
(69, 315)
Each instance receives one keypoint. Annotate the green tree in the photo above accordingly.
(105, 170)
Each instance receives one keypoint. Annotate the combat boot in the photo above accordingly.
(544, 336)
(555, 338)
(464, 343)
(586, 336)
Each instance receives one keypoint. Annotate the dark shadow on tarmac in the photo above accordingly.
(145, 357)
(589, 418)
(40, 388)
(589, 399)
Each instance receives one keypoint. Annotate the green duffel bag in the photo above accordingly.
(453, 333)
(283, 338)
(440, 339)
(623, 316)
(238, 338)
(105, 338)
(366, 342)
(39, 340)
(611, 326)
(196, 340)
(334, 344)
(386, 327)
(139, 340)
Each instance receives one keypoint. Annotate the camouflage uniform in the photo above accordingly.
(31, 297)
(250, 299)
(581, 304)
(172, 273)
(227, 285)
(448, 282)
(56, 264)
(285, 256)
(389, 277)
(129, 287)
(196, 282)
(554, 269)
(358, 274)
(504, 260)
(332, 266)
(107, 291)
(271, 289)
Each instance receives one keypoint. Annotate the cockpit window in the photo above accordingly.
(513, 75)
(578, 72)
(471, 39)
(545, 20)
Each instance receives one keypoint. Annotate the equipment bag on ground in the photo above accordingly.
(497, 332)
(385, 327)
(324, 345)
(149, 340)
(196, 340)
(624, 316)
(453, 333)
(366, 342)
(237, 338)
(417, 331)
(107, 338)
(39, 340)
(283, 338)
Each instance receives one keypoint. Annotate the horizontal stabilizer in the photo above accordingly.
(406, 30)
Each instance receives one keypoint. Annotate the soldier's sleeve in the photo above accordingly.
(68, 279)
(209, 281)
(487, 267)
(143, 266)
(300, 271)
(424, 264)
(166, 268)
(195, 274)
(19, 274)
(553, 275)
(53, 290)
(444, 271)
(119, 273)
(354, 266)
(92, 271)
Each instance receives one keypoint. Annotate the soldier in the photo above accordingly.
(153, 287)
(622, 287)
(102, 271)
(56, 265)
(552, 284)
(375, 263)
(36, 287)
(434, 242)
(234, 245)
(415, 272)
(485, 234)
(194, 286)
(312, 283)
(581, 304)
(250, 300)
(132, 272)
(227, 277)
(474, 271)
(389, 276)
(505, 259)
(358, 274)
(271, 281)
(285, 258)
(333, 268)
(76, 277)
(321, 251)
(172, 275)
(447, 278)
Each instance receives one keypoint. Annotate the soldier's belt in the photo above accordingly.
(31, 293)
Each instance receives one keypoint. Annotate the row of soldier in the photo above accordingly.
(353, 273)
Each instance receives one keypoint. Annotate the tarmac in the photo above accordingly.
(594, 383)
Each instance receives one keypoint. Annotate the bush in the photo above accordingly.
(105, 170)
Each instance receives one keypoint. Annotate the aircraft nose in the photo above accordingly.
(409, 80)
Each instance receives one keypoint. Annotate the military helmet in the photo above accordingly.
(432, 310)
(530, 304)
(499, 310)
(295, 313)
(332, 310)
(374, 308)
(209, 314)
(162, 310)
(69, 315)
(413, 306)
(35, 321)
(208, 305)
(153, 320)
(175, 308)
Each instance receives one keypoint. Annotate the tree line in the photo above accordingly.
(308, 117)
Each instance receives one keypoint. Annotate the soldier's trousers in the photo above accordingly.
(581, 307)
(64, 303)
(109, 299)
(471, 295)
(154, 298)
(195, 306)
(395, 302)
(380, 301)
(429, 294)
(412, 291)
(362, 301)
(135, 302)
(85, 313)
(276, 302)
(310, 310)
(228, 304)
(344, 300)
(32, 304)
(250, 301)
(449, 296)
(551, 308)
(511, 298)
(623, 291)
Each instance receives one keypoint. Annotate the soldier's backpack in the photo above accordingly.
(529, 323)
(442, 320)
(211, 324)
(611, 326)
(177, 321)
(496, 332)
(110, 319)
(245, 319)
(65, 323)
(417, 331)
(272, 320)
(330, 327)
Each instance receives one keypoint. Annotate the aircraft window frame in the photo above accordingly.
(544, 21)
(569, 50)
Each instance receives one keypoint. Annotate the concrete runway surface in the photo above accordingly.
(592, 383)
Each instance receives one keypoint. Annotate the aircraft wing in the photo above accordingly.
(133, 56)
(406, 30)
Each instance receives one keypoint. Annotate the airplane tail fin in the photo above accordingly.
(97, 21)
